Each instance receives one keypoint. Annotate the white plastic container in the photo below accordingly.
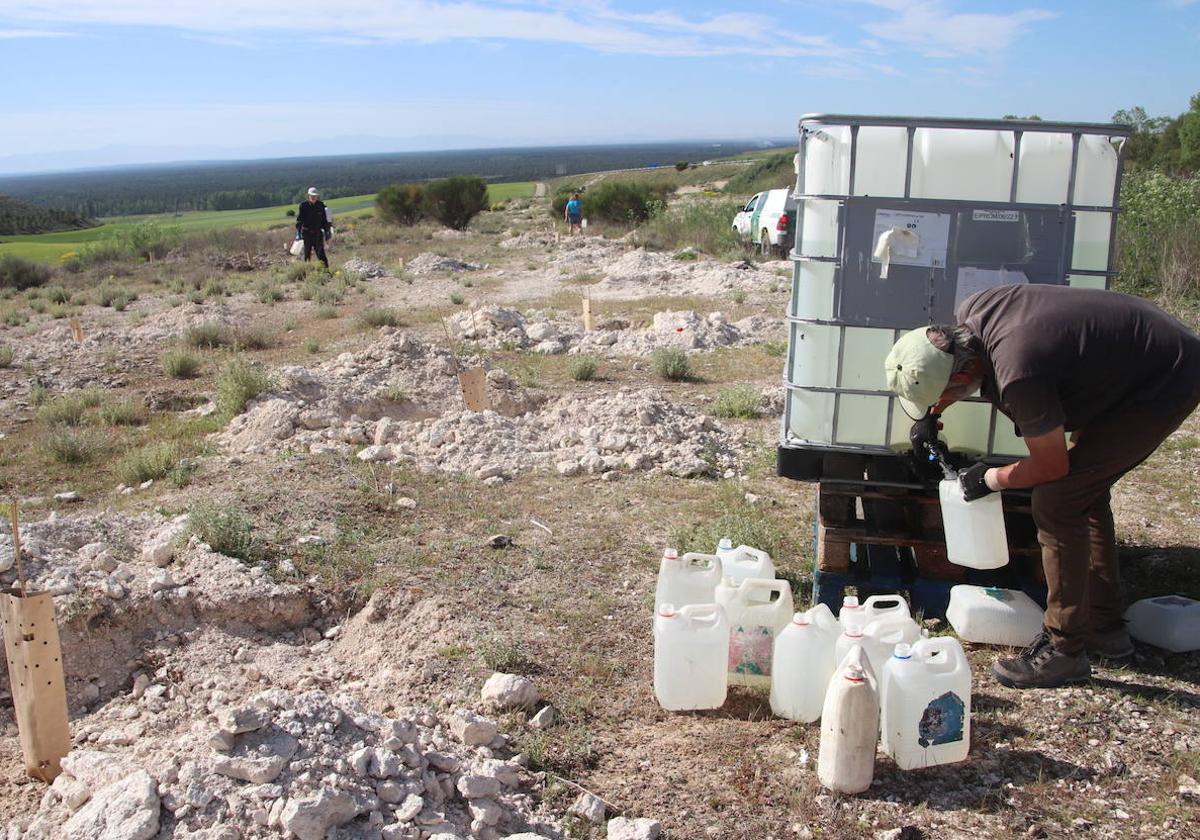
(1170, 622)
(691, 579)
(744, 562)
(849, 726)
(889, 623)
(975, 535)
(691, 646)
(992, 616)
(757, 611)
(849, 605)
(803, 663)
(925, 704)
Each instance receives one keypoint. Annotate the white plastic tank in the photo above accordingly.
(1170, 622)
(757, 611)
(827, 161)
(882, 152)
(744, 562)
(975, 534)
(989, 615)
(803, 663)
(1045, 170)
(849, 726)
(691, 579)
(882, 622)
(691, 645)
(925, 704)
(962, 164)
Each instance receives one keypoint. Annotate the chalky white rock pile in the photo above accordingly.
(298, 764)
(366, 268)
(427, 263)
(338, 407)
(497, 327)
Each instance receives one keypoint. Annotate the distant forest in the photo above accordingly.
(240, 185)
(18, 218)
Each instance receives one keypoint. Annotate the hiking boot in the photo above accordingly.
(1042, 665)
(1112, 645)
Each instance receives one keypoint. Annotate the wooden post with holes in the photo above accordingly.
(33, 652)
(587, 314)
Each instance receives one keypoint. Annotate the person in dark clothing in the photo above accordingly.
(312, 225)
(1116, 373)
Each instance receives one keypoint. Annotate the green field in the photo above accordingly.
(49, 247)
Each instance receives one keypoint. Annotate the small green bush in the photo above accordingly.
(124, 412)
(56, 294)
(72, 446)
(253, 338)
(114, 296)
(738, 296)
(239, 382)
(267, 292)
(180, 364)
(626, 202)
(216, 288)
(66, 410)
(743, 523)
(704, 226)
(740, 401)
(455, 201)
(401, 204)
(379, 316)
(150, 462)
(311, 345)
(457, 299)
(6, 356)
(297, 272)
(38, 394)
(14, 317)
(227, 531)
(672, 364)
(206, 336)
(92, 397)
(583, 368)
(17, 273)
(326, 311)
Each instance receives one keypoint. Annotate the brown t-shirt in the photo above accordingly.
(1058, 356)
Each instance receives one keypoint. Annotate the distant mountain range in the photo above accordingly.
(350, 144)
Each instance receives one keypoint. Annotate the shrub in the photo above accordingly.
(56, 294)
(72, 446)
(66, 410)
(150, 462)
(740, 401)
(326, 311)
(1158, 236)
(180, 364)
(6, 356)
(227, 531)
(455, 201)
(206, 336)
(743, 523)
(379, 316)
(117, 297)
(14, 317)
(671, 363)
(123, 412)
(267, 292)
(253, 338)
(772, 172)
(38, 394)
(297, 272)
(681, 165)
(401, 204)
(457, 299)
(239, 382)
(561, 196)
(705, 226)
(91, 397)
(626, 202)
(215, 288)
(583, 368)
(17, 273)
(738, 296)
(311, 345)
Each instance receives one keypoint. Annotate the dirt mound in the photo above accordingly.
(366, 268)
(428, 263)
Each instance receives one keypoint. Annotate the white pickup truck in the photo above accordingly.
(769, 221)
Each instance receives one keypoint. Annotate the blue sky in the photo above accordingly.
(156, 79)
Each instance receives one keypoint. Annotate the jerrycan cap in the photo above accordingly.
(670, 554)
(725, 544)
(667, 610)
(800, 619)
(854, 673)
(903, 650)
(850, 602)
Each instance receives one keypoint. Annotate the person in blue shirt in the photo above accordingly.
(574, 215)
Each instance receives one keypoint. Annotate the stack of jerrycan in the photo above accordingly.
(691, 633)
(925, 703)
(878, 624)
(758, 609)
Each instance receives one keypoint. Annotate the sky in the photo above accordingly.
(92, 82)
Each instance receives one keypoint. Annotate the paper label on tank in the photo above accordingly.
(932, 235)
(750, 650)
(995, 215)
(942, 721)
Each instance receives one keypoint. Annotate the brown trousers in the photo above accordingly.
(1075, 522)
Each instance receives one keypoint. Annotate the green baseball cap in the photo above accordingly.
(917, 372)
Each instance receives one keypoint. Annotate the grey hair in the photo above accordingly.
(957, 340)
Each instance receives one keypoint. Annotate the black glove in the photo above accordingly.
(924, 433)
(328, 235)
(973, 485)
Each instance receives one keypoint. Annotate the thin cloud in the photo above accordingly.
(935, 31)
(34, 33)
(587, 25)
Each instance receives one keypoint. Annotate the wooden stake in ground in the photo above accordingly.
(587, 312)
(77, 331)
(472, 381)
(35, 672)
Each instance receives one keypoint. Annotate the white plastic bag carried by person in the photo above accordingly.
(297, 249)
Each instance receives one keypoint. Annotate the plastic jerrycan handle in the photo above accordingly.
(822, 617)
(698, 560)
(749, 556)
(769, 585)
(898, 606)
(707, 615)
(940, 654)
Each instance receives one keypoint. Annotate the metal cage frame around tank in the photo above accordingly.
(1018, 128)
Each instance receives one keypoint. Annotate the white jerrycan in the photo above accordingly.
(745, 562)
(1170, 622)
(888, 623)
(757, 611)
(849, 726)
(850, 606)
(803, 663)
(926, 704)
(691, 579)
(975, 534)
(691, 648)
(853, 621)
(992, 616)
